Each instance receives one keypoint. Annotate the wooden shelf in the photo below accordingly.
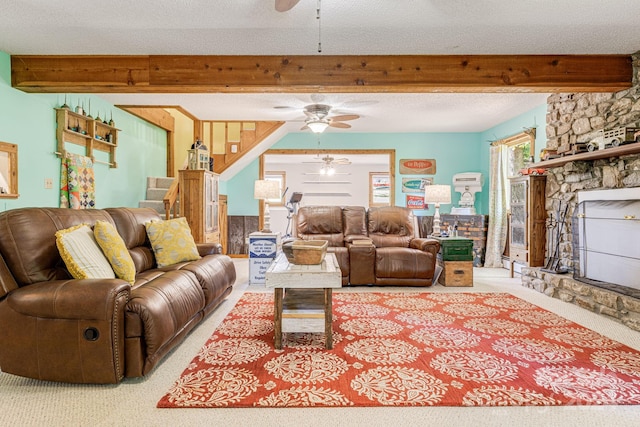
(622, 150)
(91, 134)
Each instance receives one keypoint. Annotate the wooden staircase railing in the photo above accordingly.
(249, 138)
(170, 199)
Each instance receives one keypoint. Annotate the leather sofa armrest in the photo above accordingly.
(205, 249)
(426, 245)
(7, 282)
(351, 237)
(87, 299)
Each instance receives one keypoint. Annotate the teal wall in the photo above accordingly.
(29, 121)
(533, 118)
(453, 152)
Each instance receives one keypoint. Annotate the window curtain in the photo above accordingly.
(77, 182)
(497, 228)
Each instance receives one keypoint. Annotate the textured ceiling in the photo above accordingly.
(253, 27)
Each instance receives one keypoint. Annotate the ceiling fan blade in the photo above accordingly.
(284, 5)
(305, 127)
(339, 125)
(345, 117)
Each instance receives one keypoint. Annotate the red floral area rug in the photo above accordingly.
(409, 349)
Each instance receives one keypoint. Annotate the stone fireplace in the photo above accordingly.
(573, 118)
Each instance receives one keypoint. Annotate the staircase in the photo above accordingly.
(156, 189)
(251, 134)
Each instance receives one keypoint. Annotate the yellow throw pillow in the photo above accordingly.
(172, 241)
(82, 255)
(115, 250)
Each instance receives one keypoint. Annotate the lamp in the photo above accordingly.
(437, 194)
(265, 190)
(317, 126)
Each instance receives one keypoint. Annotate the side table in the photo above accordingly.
(303, 296)
(456, 259)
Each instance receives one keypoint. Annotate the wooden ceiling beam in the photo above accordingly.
(320, 73)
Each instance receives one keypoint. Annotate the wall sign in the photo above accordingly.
(415, 185)
(416, 202)
(418, 166)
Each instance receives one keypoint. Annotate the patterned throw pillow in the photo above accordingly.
(115, 250)
(172, 241)
(82, 255)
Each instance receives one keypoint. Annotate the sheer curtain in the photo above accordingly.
(497, 232)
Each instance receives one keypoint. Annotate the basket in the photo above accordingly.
(305, 252)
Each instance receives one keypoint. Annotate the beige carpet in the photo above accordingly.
(25, 402)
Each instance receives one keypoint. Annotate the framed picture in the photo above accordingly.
(281, 178)
(379, 189)
(415, 201)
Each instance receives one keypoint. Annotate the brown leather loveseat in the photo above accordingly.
(54, 327)
(380, 246)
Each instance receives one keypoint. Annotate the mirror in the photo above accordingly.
(8, 170)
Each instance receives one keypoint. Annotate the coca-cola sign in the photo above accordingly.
(418, 166)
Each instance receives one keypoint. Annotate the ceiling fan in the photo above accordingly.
(285, 5)
(328, 163)
(329, 160)
(318, 118)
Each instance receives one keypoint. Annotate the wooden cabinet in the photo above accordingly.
(527, 229)
(199, 204)
(85, 131)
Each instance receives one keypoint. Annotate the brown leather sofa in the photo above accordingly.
(389, 251)
(53, 327)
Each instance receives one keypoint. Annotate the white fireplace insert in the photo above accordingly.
(606, 233)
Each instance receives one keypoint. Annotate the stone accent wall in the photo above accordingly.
(578, 117)
(622, 308)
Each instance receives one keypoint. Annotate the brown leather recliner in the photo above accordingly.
(336, 225)
(402, 258)
(395, 254)
(54, 327)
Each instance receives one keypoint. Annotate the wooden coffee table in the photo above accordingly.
(303, 296)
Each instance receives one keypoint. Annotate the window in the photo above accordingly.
(519, 155)
(520, 149)
(280, 177)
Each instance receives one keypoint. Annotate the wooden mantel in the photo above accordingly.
(622, 150)
(320, 73)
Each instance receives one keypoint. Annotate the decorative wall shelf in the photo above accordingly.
(326, 182)
(328, 194)
(92, 134)
(622, 150)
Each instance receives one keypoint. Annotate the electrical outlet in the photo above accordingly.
(48, 183)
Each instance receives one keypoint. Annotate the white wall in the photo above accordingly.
(348, 187)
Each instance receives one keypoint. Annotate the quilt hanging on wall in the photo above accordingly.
(77, 182)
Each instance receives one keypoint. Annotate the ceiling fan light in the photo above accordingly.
(331, 171)
(317, 126)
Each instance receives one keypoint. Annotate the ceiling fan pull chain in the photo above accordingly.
(319, 28)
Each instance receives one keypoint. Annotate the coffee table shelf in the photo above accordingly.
(303, 296)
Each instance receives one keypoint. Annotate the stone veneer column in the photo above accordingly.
(578, 117)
